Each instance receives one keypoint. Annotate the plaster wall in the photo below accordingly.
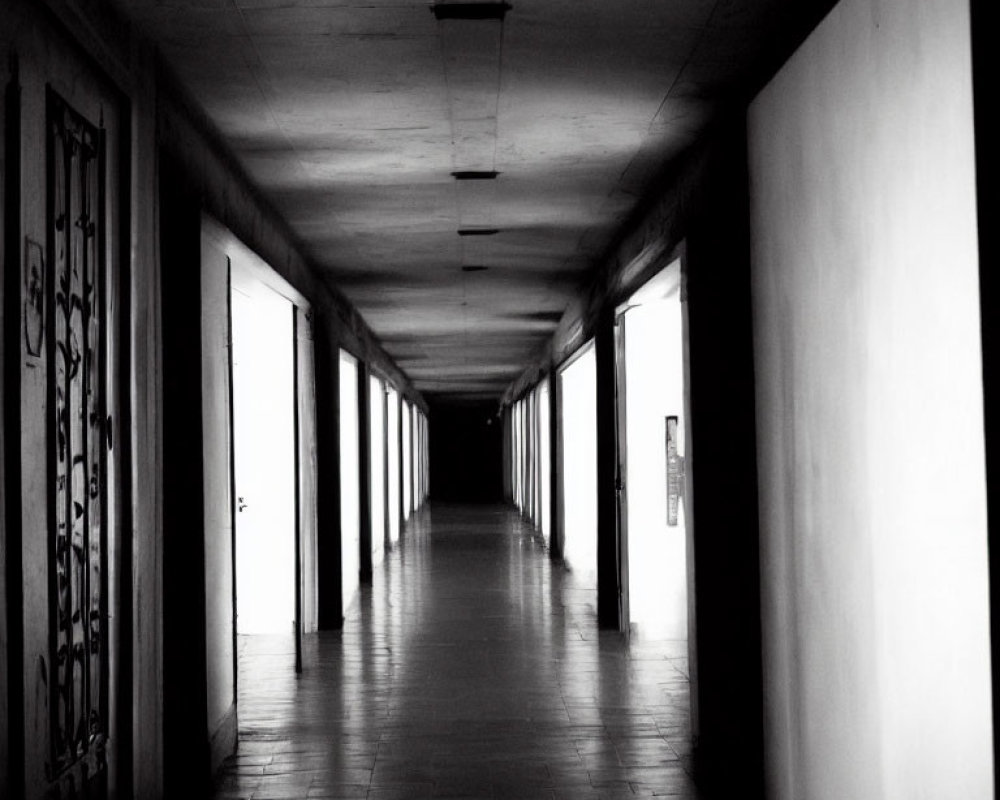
(875, 604)
(216, 456)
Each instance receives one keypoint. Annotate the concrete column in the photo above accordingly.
(185, 740)
(608, 573)
(364, 466)
(330, 601)
(726, 681)
(555, 440)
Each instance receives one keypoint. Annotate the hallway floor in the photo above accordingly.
(471, 668)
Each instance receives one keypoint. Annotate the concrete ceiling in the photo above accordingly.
(352, 115)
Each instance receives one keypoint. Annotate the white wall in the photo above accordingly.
(872, 488)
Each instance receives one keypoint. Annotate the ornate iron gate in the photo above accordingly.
(77, 458)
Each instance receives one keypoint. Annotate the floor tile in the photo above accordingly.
(471, 667)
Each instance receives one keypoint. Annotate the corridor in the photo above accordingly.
(382, 384)
(471, 667)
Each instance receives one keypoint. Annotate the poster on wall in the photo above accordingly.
(675, 473)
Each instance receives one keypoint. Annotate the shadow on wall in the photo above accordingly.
(466, 453)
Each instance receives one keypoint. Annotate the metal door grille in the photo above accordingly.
(77, 454)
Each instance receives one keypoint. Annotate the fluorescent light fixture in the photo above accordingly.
(470, 11)
(475, 175)
(478, 231)
(474, 268)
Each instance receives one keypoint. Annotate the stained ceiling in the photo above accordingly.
(404, 141)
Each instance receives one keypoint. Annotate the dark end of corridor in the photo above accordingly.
(466, 452)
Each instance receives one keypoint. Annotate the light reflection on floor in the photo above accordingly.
(471, 668)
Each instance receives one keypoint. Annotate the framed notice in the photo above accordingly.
(675, 473)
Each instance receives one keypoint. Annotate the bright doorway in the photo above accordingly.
(264, 456)
(578, 460)
(393, 503)
(653, 428)
(350, 491)
(377, 440)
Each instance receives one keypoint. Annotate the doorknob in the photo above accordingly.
(240, 503)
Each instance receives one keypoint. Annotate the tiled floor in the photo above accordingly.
(471, 668)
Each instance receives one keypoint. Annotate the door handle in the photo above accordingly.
(240, 503)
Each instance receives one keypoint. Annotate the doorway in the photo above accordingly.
(407, 461)
(653, 443)
(577, 486)
(264, 456)
(394, 466)
(377, 440)
(350, 491)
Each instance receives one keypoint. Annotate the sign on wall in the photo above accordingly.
(675, 473)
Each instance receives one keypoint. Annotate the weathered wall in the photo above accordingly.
(869, 398)
(40, 34)
(34, 41)
(157, 118)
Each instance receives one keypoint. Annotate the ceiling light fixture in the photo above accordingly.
(473, 11)
(474, 175)
(478, 231)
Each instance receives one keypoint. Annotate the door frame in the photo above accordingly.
(245, 261)
(621, 452)
(621, 473)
